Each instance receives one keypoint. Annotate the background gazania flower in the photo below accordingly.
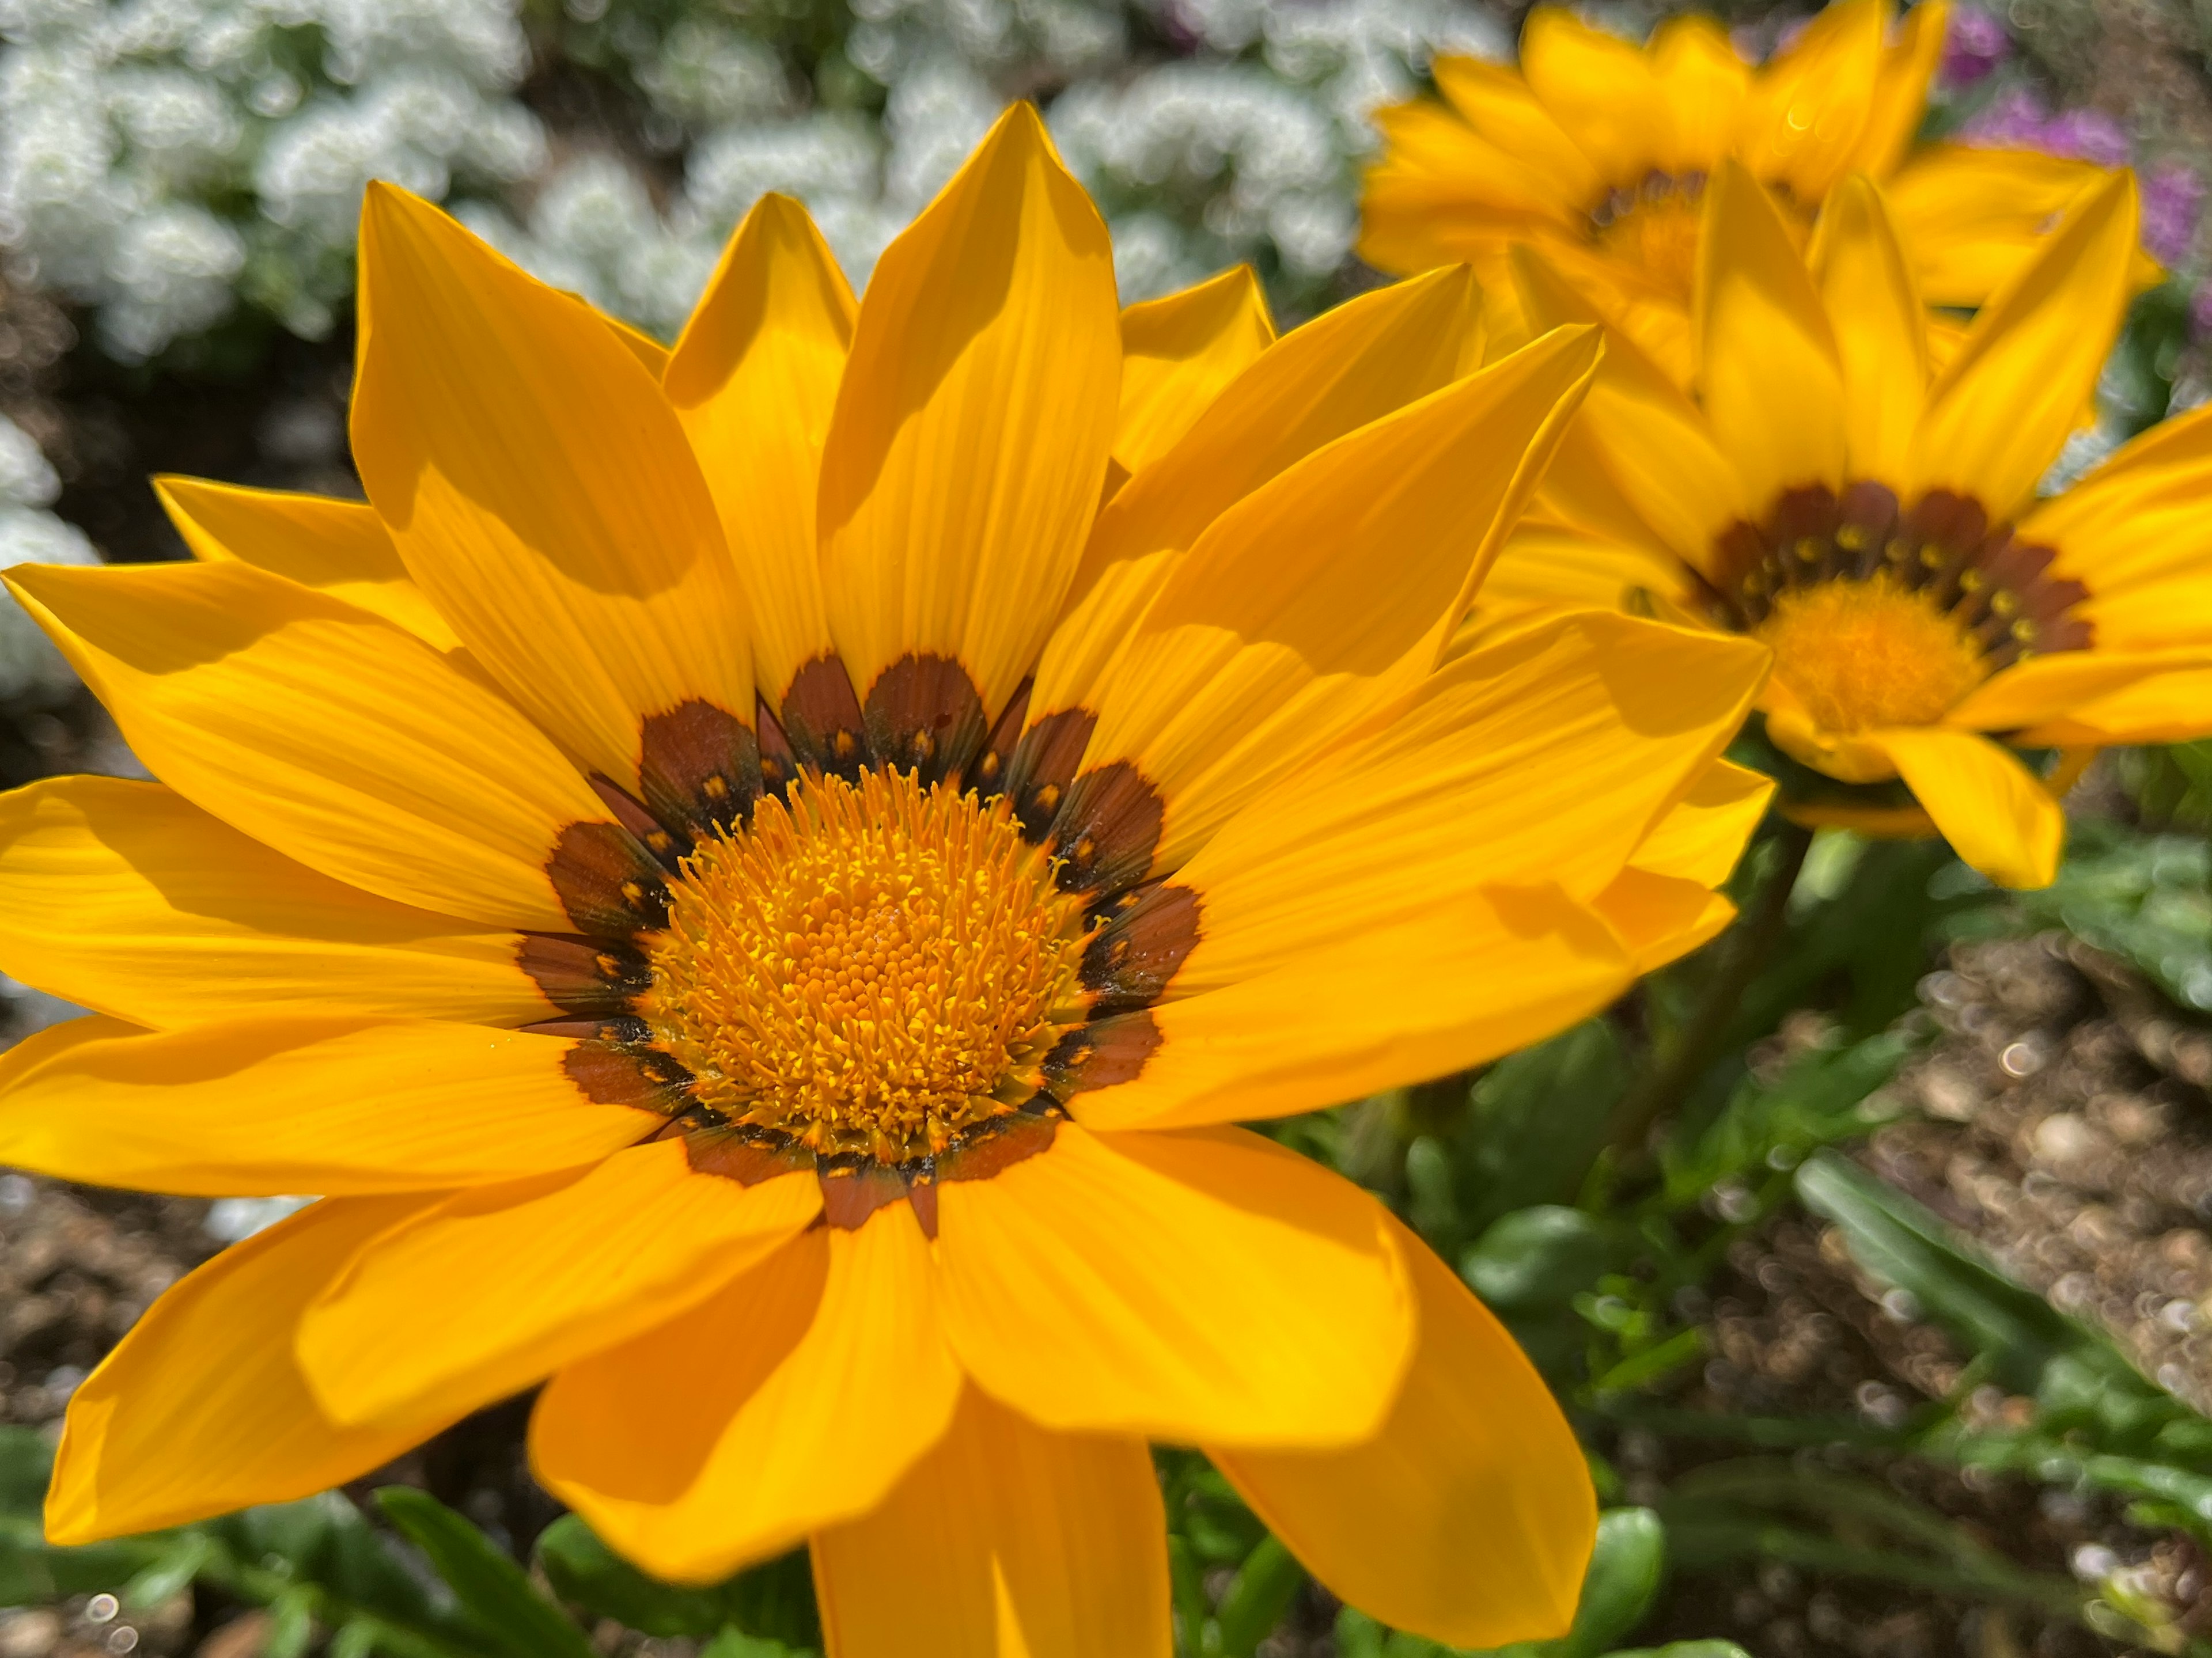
(770, 940)
(1599, 151)
(1875, 520)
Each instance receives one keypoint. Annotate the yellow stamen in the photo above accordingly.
(872, 969)
(1660, 237)
(1863, 655)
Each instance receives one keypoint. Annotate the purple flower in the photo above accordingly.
(2172, 198)
(2018, 118)
(1974, 44)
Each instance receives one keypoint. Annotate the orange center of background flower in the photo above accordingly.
(1864, 655)
(1656, 233)
(872, 968)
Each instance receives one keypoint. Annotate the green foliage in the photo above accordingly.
(771, 1605)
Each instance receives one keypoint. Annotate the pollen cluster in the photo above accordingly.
(1653, 227)
(1863, 655)
(871, 967)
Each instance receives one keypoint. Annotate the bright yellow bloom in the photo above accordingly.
(1874, 519)
(754, 880)
(1598, 152)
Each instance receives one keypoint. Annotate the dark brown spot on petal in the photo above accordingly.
(699, 768)
(743, 1158)
(1107, 829)
(1007, 1141)
(988, 774)
(610, 885)
(777, 763)
(851, 1193)
(584, 976)
(610, 1073)
(923, 715)
(667, 849)
(921, 1193)
(1135, 956)
(1101, 1055)
(1043, 766)
(822, 719)
(623, 1027)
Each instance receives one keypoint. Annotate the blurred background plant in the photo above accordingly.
(1870, 1247)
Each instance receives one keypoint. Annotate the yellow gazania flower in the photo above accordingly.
(1875, 521)
(754, 880)
(1598, 152)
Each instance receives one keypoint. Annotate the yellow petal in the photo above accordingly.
(639, 345)
(1441, 193)
(1880, 329)
(125, 897)
(1504, 110)
(753, 379)
(1177, 354)
(1201, 1286)
(299, 1103)
(1706, 83)
(1810, 107)
(499, 1286)
(1969, 218)
(1006, 1541)
(1659, 919)
(1702, 838)
(1469, 1517)
(540, 490)
(1900, 100)
(794, 1399)
(323, 731)
(201, 1410)
(1995, 812)
(1767, 357)
(1998, 413)
(1472, 980)
(337, 547)
(2167, 707)
(1548, 757)
(1336, 584)
(1601, 91)
(973, 425)
(2045, 688)
(1547, 566)
(2134, 533)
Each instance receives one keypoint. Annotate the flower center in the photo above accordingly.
(872, 967)
(1863, 655)
(1654, 229)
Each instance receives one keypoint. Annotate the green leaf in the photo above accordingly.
(1536, 1259)
(27, 1463)
(1685, 1649)
(1820, 1099)
(1625, 1569)
(1537, 1120)
(1257, 1597)
(491, 1588)
(291, 1626)
(170, 1573)
(736, 1644)
(584, 1571)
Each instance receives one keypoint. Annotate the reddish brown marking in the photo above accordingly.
(699, 768)
(1044, 765)
(777, 763)
(923, 715)
(850, 1195)
(1135, 957)
(988, 774)
(922, 1193)
(1108, 830)
(643, 825)
(1101, 1055)
(624, 1028)
(1004, 1142)
(586, 976)
(749, 1162)
(608, 1073)
(611, 886)
(822, 719)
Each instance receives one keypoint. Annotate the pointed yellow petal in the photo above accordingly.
(323, 731)
(1969, 218)
(499, 1286)
(1900, 100)
(1184, 1287)
(1998, 413)
(753, 379)
(2047, 688)
(1602, 91)
(1441, 193)
(973, 425)
(125, 897)
(201, 1410)
(1500, 106)
(1334, 585)
(1767, 357)
(1880, 329)
(1472, 979)
(1008, 1541)
(1658, 918)
(1177, 354)
(337, 547)
(1469, 1518)
(1703, 837)
(1706, 83)
(1547, 567)
(540, 490)
(1810, 107)
(2167, 707)
(793, 1400)
(1995, 812)
(260, 1107)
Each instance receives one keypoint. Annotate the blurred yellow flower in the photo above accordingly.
(1872, 518)
(1599, 152)
(755, 878)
